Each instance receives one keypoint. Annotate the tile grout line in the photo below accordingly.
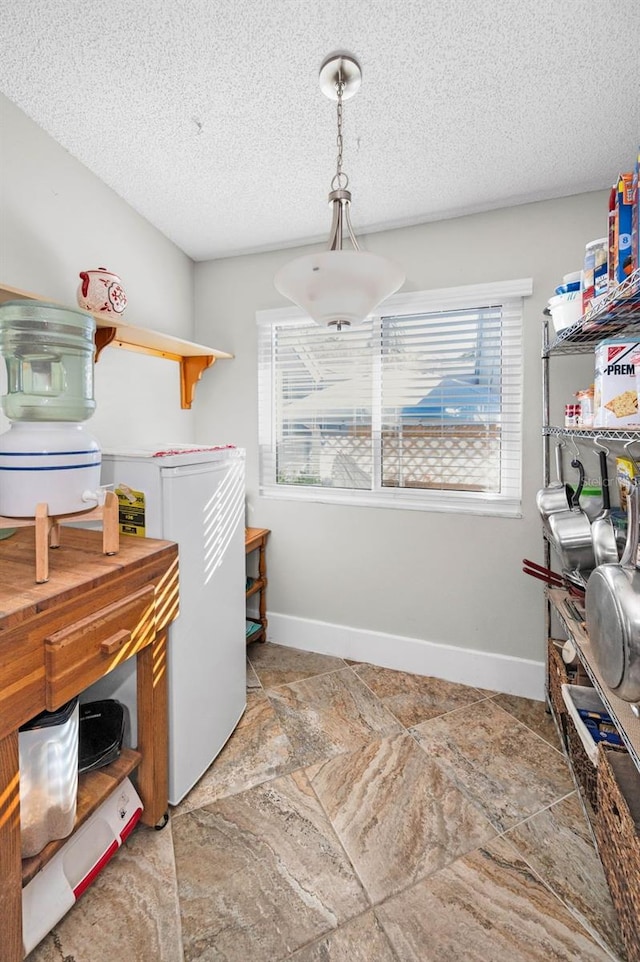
(594, 935)
(433, 717)
(286, 684)
(319, 938)
(528, 727)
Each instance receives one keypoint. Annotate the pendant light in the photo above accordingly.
(339, 288)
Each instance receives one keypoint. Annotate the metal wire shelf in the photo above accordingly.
(617, 314)
(590, 434)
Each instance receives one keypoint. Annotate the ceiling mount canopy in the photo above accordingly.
(339, 288)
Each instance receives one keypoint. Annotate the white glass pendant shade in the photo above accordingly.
(339, 287)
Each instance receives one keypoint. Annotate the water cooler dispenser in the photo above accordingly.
(47, 456)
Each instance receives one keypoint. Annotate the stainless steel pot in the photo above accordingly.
(605, 547)
(613, 613)
(557, 496)
(570, 531)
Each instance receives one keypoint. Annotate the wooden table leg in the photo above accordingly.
(10, 861)
(262, 574)
(54, 535)
(110, 529)
(43, 525)
(153, 729)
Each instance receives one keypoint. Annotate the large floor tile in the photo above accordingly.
(486, 907)
(129, 913)
(257, 751)
(330, 714)
(261, 874)
(414, 698)
(398, 817)
(253, 682)
(280, 665)
(557, 845)
(361, 940)
(496, 761)
(533, 714)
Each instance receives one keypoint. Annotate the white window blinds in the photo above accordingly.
(416, 408)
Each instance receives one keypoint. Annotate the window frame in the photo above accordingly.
(417, 499)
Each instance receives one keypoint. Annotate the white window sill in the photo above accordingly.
(487, 505)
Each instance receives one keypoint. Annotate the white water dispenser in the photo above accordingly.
(47, 455)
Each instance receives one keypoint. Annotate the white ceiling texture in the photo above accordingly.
(206, 115)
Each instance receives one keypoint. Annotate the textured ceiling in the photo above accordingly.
(206, 115)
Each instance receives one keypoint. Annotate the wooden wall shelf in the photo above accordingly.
(194, 359)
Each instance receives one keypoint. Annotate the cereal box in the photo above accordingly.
(616, 391)
(623, 260)
(635, 216)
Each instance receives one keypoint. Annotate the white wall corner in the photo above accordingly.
(480, 669)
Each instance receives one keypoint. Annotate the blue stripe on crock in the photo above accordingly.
(42, 454)
(57, 467)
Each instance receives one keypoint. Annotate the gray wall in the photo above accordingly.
(57, 219)
(447, 578)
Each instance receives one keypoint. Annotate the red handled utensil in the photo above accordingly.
(552, 578)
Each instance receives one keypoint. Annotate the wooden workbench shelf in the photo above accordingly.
(56, 639)
(112, 331)
(93, 788)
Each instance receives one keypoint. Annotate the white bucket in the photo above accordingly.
(52, 462)
(565, 309)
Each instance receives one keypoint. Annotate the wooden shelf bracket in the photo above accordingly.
(102, 337)
(191, 370)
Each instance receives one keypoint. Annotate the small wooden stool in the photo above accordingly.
(47, 533)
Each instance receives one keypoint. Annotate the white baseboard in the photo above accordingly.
(481, 669)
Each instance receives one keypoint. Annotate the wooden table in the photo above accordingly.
(55, 640)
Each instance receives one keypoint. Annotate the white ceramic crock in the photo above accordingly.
(101, 291)
(52, 462)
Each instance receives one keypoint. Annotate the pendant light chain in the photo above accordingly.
(340, 180)
(339, 288)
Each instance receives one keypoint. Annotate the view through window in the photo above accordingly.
(414, 408)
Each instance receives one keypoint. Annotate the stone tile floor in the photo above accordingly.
(359, 814)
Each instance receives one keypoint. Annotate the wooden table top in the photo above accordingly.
(76, 565)
(254, 536)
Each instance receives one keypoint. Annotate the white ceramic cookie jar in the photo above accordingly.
(101, 291)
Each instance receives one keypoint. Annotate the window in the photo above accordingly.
(420, 407)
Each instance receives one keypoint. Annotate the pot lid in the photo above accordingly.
(607, 624)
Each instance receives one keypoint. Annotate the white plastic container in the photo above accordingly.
(55, 463)
(48, 753)
(565, 309)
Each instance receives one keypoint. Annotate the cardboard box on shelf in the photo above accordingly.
(625, 473)
(635, 215)
(622, 256)
(616, 389)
